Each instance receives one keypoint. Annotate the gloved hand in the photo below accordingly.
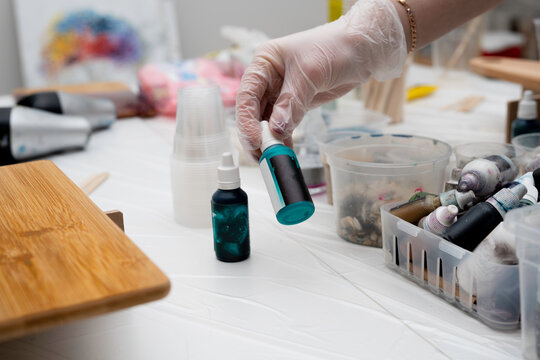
(294, 74)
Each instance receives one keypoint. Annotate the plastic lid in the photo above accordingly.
(527, 106)
(228, 173)
(267, 139)
(295, 213)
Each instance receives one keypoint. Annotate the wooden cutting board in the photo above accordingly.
(521, 71)
(61, 257)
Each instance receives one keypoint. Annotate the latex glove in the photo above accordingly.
(291, 75)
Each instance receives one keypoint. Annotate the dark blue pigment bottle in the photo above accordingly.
(526, 121)
(284, 180)
(230, 220)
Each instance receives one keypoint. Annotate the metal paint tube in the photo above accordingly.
(99, 112)
(28, 133)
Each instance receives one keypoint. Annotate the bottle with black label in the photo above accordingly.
(284, 181)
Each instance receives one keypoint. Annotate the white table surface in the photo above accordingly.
(303, 294)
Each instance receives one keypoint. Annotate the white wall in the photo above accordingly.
(10, 75)
(198, 22)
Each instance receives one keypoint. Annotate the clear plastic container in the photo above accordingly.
(525, 223)
(371, 170)
(356, 120)
(331, 140)
(490, 292)
(530, 145)
(468, 152)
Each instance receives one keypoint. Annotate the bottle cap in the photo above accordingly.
(267, 139)
(532, 191)
(464, 198)
(446, 215)
(527, 106)
(437, 221)
(228, 173)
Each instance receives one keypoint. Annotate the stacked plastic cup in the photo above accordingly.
(201, 137)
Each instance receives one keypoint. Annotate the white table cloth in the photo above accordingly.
(303, 294)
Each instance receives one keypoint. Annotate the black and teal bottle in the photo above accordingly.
(230, 220)
(284, 181)
(526, 121)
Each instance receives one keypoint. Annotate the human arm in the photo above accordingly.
(293, 74)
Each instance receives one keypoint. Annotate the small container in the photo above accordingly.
(230, 219)
(307, 150)
(284, 180)
(530, 145)
(332, 140)
(468, 152)
(371, 170)
(525, 224)
(356, 119)
(491, 296)
(526, 121)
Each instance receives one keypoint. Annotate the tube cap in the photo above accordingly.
(527, 107)
(267, 139)
(295, 213)
(228, 173)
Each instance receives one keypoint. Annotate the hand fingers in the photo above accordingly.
(257, 88)
(293, 102)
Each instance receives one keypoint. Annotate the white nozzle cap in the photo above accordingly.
(527, 107)
(446, 214)
(228, 173)
(267, 139)
(532, 191)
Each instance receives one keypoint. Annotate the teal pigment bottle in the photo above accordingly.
(230, 220)
(526, 121)
(284, 181)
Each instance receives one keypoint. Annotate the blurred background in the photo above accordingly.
(192, 28)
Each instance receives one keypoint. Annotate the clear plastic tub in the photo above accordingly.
(371, 170)
(331, 140)
(358, 119)
(530, 145)
(490, 292)
(525, 223)
(468, 152)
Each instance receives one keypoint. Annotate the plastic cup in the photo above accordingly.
(201, 137)
(371, 170)
(192, 187)
(327, 142)
(466, 153)
(356, 120)
(200, 112)
(529, 144)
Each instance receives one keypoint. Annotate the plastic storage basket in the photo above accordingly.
(525, 223)
(487, 291)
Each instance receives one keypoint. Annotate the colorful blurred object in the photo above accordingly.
(87, 35)
(420, 91)
(160, 82)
